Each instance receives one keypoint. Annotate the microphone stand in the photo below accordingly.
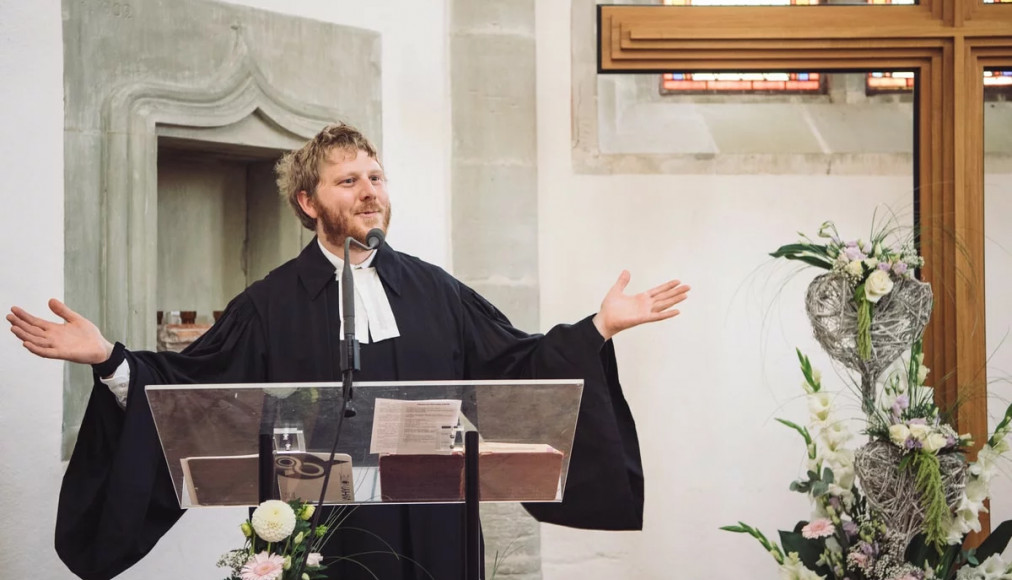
(350, 363)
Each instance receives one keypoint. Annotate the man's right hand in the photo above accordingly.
(76, 340)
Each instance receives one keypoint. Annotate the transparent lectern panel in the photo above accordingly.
(403, 445)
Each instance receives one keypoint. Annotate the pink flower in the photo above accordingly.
(263, 566)
(315, 559)
(821, 528)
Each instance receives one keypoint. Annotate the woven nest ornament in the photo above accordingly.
(898, 320)
(892, 492)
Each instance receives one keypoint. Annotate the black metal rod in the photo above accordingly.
(266, 483)
(472, 523)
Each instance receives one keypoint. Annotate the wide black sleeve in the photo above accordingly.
(117, 497)
(604, 488)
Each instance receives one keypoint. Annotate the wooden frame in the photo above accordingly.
(948, 43)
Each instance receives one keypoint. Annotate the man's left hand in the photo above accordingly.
(620, 311)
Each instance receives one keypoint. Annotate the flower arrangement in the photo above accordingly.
(870, 266)
(899, 506)
(278, 534)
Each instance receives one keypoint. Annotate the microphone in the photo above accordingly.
(374, 238)
(349, 346)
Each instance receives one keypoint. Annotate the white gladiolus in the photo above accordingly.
(818, 406)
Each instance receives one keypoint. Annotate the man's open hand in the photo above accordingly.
(620, 311)
(75, 340)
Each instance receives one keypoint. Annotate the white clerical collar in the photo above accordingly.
(373, 317)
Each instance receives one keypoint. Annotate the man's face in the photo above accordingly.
(351, 197)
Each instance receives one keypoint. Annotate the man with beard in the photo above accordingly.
(417, 323)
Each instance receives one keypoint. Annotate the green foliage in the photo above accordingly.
(811, 254)
(928, 477)
(863, 323)
(996, 542)
(771, 547)
(809, 551)
(815, 485)
(811, 378)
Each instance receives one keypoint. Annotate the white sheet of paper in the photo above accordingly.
(415, 427)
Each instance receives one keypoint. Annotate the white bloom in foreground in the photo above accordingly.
(314, 559)
(994, 568)
(877, 285)
(273, 520)
(920, 431)
(818, 406)
(898, 434)
(793, 569)
(934, 442)
(855, 268)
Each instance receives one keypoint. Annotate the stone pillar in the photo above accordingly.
(495, 204)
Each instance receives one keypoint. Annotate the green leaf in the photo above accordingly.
(820, 488)
(808, 551)
(827, 475)
(996, 542)
(918, 552)
(735, 529)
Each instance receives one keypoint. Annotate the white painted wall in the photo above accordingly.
(31, 270)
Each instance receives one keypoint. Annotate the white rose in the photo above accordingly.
(934, 442)
(898, 434)
(855, 268)
(877, 285)
(919, 431)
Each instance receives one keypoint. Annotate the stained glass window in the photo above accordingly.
(742, 82)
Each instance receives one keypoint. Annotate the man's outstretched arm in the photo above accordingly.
(76, 339)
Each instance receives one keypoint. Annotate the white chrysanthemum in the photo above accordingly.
(273, 520)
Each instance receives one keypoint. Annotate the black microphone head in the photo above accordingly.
(374, 238)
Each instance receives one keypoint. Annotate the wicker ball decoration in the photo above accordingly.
(892, 492)
(897, 321)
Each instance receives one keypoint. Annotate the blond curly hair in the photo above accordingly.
(299, 170)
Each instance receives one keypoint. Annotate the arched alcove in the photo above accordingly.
(175, 115)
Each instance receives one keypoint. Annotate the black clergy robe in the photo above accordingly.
(117, 497)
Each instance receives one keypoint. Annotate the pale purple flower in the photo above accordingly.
(950, 441)
(835, 502)
(850, 528)
(900, 268)
(917, 421)
(853, 253)
(866, 548)
(884, 266)
(901, 403)
(912, 443)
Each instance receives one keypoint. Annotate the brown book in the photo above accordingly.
(506, 472)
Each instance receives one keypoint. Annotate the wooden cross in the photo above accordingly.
(949, 44)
